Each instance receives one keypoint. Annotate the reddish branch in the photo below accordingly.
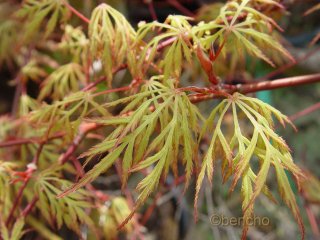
(280, 83)
(27, 174)
(181, 8)
(23, 141)
(85, 128)
(305, 112)
(289, 65)
(30, 206)
(16, 202)
(151, 9)
(251, 87)
(313, 221)
(121, 89)
(103, 78)
(76, 12)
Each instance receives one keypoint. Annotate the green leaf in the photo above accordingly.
(263, 144)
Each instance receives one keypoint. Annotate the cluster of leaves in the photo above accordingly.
(70, 210)
(110, 37)
(75, 42)
(64, 80)
(238, 151)
(16, 233)
(112, 214)
(67, 114)
(158, 129)
(151, 129)
(35, 13)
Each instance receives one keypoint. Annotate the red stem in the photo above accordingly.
(280, 83)
(255, 87)
(103, 78)
(16, 202)
(76, 12)
(30, 206)
(166, 43)
(25, 183)
(77, 140)
(152, 10)
(181, 8)
(305, 112)
(313, 221)
(121, 89)
(27, 141)
(289, 65)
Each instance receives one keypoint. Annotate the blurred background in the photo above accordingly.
(172, 214)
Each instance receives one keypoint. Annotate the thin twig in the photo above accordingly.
(313, 221)
(76, 12)
(279, 83)
(77, 140)
(305, 112)
(181, 8)
(30, 206)
(152, 10)
(121, 89)
(288, 65)
(16, 202)
(255, 87)
(103, 78)
(24, 141)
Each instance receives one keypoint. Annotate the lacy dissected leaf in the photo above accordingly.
(7, 128)
(27, 104)
(32, 71)
(41, 228)
(75, 42)
(175, 27)
(15, 233)
(67, 113)
(112, 215)
(63, 81)
(6, 124)
(8, 33)
(238, 153)
(69, 210)
(241, 27)
(161, 122)
(111, 37)
(35, 12)
(6, 189)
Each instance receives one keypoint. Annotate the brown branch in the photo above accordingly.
(23, 141)
(76, 12)
(166, 43)
(16, 142)
(16, 202)
(30, 206)
(103, 78)
(27, 176)
(84, 130)
(305, 112)
(181, 8)
(280, 83)
(112, 90)
(250, 88)
(313, 221)
(151, 9)
(289, 65)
